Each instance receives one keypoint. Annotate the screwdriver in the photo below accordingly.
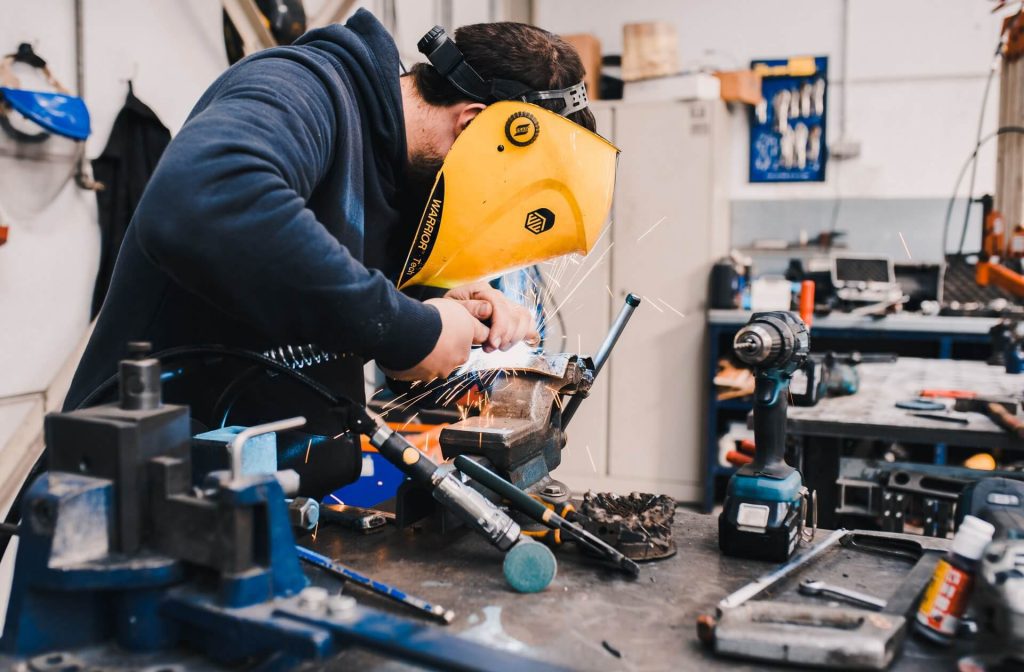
(540, 513)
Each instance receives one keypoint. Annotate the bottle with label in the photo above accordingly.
(946, 597)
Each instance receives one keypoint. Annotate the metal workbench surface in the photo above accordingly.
(901, 322)
(872, 412)
(650, 621)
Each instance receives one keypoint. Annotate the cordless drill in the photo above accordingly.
(762, 515)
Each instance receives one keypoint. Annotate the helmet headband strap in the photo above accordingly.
(451, 64)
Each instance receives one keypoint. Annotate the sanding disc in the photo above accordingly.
(530, 567)
(920, 405)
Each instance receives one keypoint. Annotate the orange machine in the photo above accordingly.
(997, 246)
(1003, 226)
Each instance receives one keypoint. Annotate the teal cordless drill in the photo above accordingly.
(762, 514)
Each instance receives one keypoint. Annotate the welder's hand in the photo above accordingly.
(510, 322)
(460, 331)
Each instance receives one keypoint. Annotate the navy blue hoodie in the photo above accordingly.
(274, 215)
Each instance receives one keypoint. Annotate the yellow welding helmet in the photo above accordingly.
(521, 185)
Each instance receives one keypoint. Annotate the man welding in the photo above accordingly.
(290, 209)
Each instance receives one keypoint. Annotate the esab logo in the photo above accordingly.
(521, 129)
(540, 220)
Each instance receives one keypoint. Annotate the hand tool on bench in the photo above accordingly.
(816, 588)
(824, 636)
(1000, 410)
(941, 417)
(528, 566)
(349, 575)
(536, 510)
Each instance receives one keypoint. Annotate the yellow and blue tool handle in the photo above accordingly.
(548, 535)
(346, 573)
(542, 514)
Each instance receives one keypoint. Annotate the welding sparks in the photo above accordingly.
(593, 465)
(310, 445)
(651, 229)
(664, 303)
(316, 528)
(653, 305)
(905, 248)
(337, 500)
(585, 276)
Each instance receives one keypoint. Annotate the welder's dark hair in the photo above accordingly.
(508, 50)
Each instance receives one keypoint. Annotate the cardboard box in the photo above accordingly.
(740, 86)
(589, 49)
(649, 50)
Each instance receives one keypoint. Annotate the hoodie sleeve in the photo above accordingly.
(225, 216)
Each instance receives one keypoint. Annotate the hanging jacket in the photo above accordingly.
(137, 140)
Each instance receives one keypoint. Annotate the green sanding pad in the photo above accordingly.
(530, 567)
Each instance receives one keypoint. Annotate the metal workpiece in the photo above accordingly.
(819, 588)
(816, 636)
(519, 429)
(477, 511)
(604, 352)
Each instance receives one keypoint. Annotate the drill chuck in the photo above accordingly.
(772, 340)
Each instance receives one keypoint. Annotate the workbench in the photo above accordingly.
(906, 334)
(871, 414)
(588, 611)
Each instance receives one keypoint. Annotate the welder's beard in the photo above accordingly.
(420, 173)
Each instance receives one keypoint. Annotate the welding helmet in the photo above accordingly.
(521, 184)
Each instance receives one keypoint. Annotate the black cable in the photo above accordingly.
(963, 171)
(226, 401)
(977, 141)
(171, 354)
(189, 351)
(9, 529)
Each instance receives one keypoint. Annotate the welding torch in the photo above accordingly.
(632, 301)
(475, 510)
(542, 514)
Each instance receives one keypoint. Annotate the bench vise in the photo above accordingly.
(519, 429)
(121, 554)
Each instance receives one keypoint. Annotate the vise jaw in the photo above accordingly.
(519, 428)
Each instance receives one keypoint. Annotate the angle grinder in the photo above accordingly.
(764, 504)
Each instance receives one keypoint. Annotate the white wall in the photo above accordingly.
(174, 49)
(916, 74)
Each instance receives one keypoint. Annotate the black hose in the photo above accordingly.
(963, 171)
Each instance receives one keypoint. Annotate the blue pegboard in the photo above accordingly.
(790, 145)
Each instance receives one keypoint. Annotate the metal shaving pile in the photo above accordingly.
(639, 524)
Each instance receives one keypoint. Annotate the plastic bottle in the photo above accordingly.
(946, 597)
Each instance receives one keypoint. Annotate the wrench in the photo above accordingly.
(821, 589)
